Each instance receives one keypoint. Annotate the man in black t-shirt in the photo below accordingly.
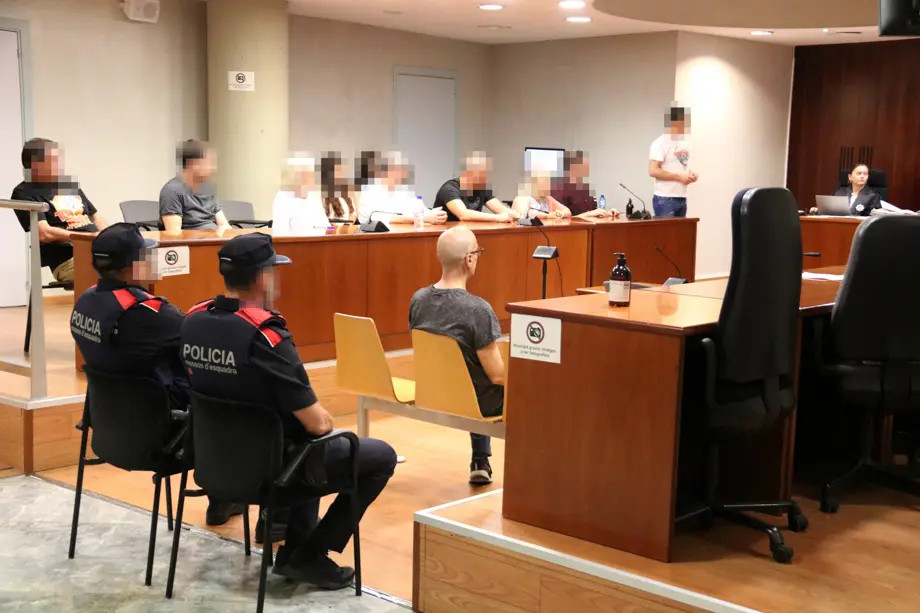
(69, 210)
(447, 308)
(468, 197)
(236, 348)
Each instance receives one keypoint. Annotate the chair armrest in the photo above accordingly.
(250, 223)
(176, 440)
(297, 461)
(712, 367)
(150, 226)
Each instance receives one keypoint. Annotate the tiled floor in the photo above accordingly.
(107, 574)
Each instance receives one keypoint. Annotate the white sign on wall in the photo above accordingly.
(536, 338)
(241, 81)
(172, 261)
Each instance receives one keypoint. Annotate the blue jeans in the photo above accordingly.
(666, 206)
(482, 444)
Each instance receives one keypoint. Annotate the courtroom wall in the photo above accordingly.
(604, 95)
(117, 95)
(852, 102)
(739, 93)
(341, 83)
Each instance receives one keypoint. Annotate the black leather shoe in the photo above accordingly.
(220, 513)
(278, 531)
(320, 572)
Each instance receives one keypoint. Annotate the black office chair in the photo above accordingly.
(751, 361)
(144, 213)
(242, 214)
(874, 342)
(27, 342)
(878, 181)
(240, 458)
(135, 430)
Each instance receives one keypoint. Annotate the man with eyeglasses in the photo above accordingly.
(446, 308)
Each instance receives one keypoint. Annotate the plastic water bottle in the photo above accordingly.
(419, 215)
(602, 203)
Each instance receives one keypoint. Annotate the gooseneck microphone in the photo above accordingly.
(643, 214)
(679, 279)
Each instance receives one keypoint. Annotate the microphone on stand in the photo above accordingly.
(630, 212)
(679, 279)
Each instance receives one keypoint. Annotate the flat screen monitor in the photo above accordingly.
(543, 160)
(899, 18)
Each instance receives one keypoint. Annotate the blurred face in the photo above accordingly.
(477, 178)
(542, 185)
(860, 176)
(268, 286)
(49, 168)
(678, 127)
(396, 175)
(142, 270)
(306, 179)
(579, 172)
(203, 170)
(341, 174)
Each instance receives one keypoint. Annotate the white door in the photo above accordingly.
(13, 264)
(426, 130)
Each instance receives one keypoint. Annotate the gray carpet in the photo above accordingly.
(107, 574)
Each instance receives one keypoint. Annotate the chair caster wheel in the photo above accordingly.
(798, 522)
(782, 553)
(829, 505)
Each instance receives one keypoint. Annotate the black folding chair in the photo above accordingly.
(27, 343)
(133, 429)
(241, 214)
(240, 458)
(143, 213)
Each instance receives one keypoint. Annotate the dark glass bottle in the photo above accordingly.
(620, 290)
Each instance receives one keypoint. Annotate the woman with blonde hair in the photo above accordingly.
(298, 208)
(535, 199)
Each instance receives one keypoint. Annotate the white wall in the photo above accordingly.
(117, 95)
(606, 96)
(739, 94)
(341, 84)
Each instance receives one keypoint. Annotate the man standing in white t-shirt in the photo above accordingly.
(669, 165)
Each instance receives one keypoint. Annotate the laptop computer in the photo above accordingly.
(833, 205)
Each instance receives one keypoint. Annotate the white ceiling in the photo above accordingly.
(538, 20)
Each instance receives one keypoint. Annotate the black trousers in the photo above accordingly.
(376, 462)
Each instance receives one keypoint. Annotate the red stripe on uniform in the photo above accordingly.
(256, 317)
(125, 298)
(271, 336)
(201, 306)
(153, 304)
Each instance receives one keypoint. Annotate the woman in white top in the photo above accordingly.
(536, 200)
(389, 200)
(298, 208)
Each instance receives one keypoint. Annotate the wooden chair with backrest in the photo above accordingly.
(361, 366)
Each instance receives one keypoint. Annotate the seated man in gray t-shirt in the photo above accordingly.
(447, 308)
(187, 201)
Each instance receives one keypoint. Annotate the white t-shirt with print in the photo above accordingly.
(673, 151)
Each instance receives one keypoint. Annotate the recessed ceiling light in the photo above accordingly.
(761, 33)
(494, 27)
(490, 7)
(578, 19)
(572, 4)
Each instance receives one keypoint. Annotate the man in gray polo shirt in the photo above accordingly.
(188, 201)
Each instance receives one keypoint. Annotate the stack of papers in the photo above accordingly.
(820, 276)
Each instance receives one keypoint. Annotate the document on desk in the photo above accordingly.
(820, 276)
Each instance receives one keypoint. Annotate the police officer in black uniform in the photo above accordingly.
(121, 329)
(235, 347)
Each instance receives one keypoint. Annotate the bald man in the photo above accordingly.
(468, 197)
(447, 308)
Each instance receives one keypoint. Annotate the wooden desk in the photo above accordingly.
(594, 455)
(637, 239)
(829, 236)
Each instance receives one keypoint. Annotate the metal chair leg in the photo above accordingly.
(356, 539)
(154, 514)
(266, 549)
(169, 509)
(246, 531)
(174, 554)
(78, 492)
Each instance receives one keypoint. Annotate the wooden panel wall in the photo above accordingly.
(856, 101)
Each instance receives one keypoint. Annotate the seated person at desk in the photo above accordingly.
(297, 209)
(390, 200)
(335, 188)
(269, 372)
(121, 329)
(468, 197)
(188, 201)
(69, 210)
(863, 199)
(536, 200)
(447, 308)
(574, 192)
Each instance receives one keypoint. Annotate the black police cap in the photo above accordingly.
(254, 250)
(119, 245)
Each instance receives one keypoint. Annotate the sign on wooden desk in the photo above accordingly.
(171, 261)
(536, 338)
